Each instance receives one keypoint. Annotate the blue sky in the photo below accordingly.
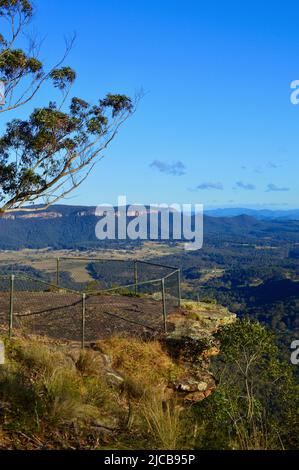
(216, 125)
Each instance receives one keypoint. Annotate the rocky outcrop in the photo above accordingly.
(192, 343)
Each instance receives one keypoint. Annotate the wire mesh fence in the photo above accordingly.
(90, 299)
(5, 298)
(43, 267)
(86, 274)
(172, 288)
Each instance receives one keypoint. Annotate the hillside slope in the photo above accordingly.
(71, 227)
(118, 393)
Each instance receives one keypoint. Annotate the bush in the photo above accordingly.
(256, 403)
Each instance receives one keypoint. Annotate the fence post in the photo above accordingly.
(164, 304)
(11, 299)
(179, 288)
(57, 271)
(136, 276)
(83, 320)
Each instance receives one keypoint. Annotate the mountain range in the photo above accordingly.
(73, 227)
(292, 214)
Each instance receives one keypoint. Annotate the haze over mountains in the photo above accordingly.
(292, 214)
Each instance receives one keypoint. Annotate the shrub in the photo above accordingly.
(164, 422)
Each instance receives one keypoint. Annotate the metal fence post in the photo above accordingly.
(179, 288)
(11, 300)
(136, 276)
(57, 271)
(83, 320)
(164, 304)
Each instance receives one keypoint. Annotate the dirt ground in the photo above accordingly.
(59, 315)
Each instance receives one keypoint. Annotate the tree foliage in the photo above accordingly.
(256, 402)
(49, 154)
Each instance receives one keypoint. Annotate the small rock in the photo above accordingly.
(190, 385)
(114, 379)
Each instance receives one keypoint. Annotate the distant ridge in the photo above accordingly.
(66, 210)
(73, 227)
(291, 214)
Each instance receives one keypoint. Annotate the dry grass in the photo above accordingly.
(142, 363)
(88, 363)
(42, 384)
(54, 393)
(164, 422)
(37, 356)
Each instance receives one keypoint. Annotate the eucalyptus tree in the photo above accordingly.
(50, 153)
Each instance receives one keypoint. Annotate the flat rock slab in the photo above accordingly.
(59, 315)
